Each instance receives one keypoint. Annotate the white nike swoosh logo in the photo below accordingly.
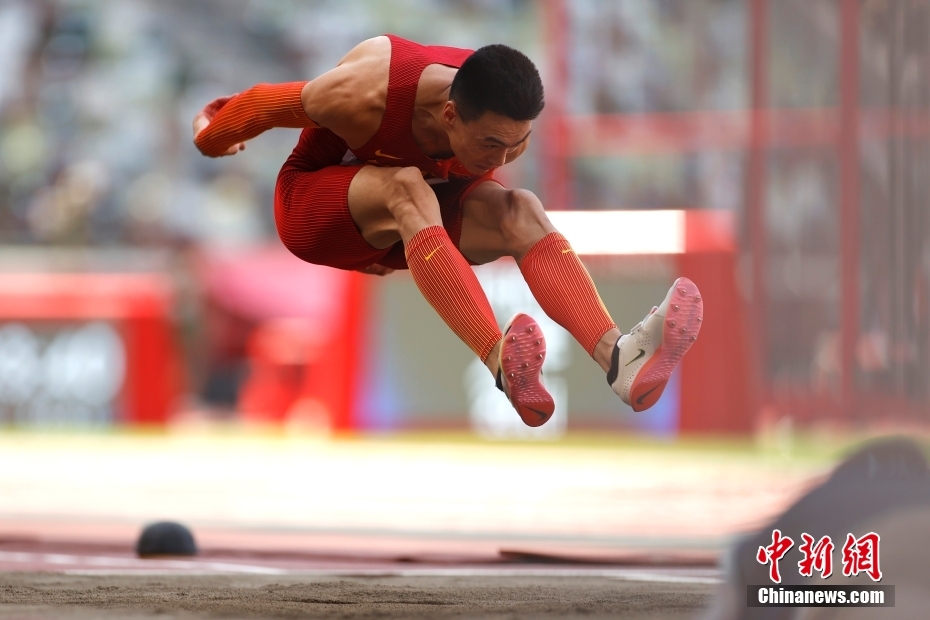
(378, 153)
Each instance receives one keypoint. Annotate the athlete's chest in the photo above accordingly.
(409, 138)
(409, 133)
(389, 154)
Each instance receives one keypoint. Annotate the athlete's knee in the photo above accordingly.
(407, 185)
(523, 220)
(409, 196)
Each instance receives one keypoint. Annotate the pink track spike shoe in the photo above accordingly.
(522, 353)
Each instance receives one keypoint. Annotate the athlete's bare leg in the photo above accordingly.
(500, 222)
(396, 204)
(391, 204)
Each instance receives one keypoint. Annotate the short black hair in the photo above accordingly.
(499, 79)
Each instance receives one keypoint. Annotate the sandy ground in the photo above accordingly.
(267, 510)
(40, 596)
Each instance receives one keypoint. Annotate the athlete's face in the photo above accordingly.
(487, 142)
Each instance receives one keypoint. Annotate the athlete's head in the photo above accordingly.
(494, 98)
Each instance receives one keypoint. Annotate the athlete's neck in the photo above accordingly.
(429, 131)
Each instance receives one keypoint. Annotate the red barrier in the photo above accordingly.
(138, 309)
(304, 348)
(715, 388)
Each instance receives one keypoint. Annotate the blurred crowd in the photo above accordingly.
(97, 97)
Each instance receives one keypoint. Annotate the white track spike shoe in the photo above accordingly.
(644, 359)
(522, 353)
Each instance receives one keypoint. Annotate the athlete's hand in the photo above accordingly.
(206, 115)
(376, 270)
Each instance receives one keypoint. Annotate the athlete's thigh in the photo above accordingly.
(376, 190)
(482, 240)
(500, 222)
(367, 202)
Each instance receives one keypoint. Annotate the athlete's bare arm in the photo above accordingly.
(349, 100)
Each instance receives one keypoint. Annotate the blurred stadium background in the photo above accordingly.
(780, 147)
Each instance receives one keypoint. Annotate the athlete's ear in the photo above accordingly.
(449, 113)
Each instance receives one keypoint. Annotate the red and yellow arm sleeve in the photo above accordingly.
(251, 113)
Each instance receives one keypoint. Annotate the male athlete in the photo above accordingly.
(394, 170)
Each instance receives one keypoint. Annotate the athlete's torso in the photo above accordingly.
(393, 143)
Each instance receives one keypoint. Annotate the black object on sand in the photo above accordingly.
(165, 538)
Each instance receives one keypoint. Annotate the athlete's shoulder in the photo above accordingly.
(369, 49)
(350, 99)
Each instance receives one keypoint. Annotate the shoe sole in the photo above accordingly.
(683, 319)
(523, 351)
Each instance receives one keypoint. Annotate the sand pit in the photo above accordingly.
(296, 528)
(40, 596)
